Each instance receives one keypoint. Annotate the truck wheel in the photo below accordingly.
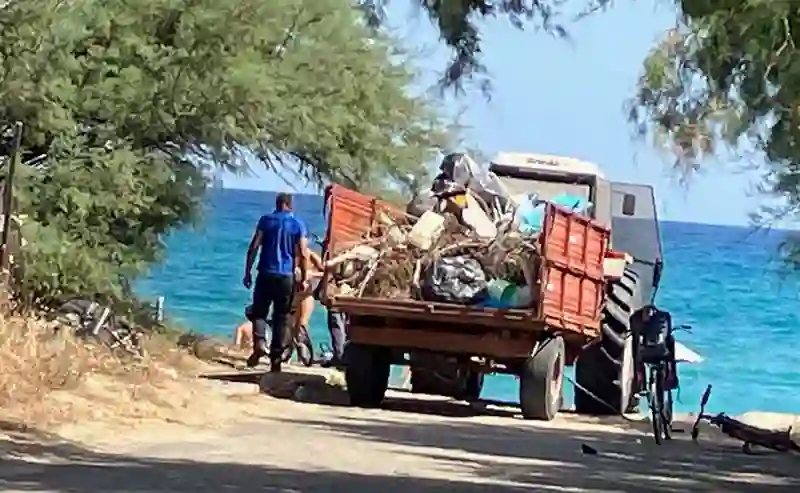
(542, 380)
(608, 369)
(366, 373)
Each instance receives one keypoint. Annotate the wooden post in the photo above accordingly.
(8, 205)
(8, 199)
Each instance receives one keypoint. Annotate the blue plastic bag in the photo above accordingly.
(531, 211)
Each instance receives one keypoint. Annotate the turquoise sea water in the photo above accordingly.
(722, 280)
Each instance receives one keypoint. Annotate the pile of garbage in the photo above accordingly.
(466, 241)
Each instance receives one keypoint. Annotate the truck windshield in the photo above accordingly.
(546, 187)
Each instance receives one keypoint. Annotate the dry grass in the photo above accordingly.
(49, 380)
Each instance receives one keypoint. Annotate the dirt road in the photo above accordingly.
(413, 445)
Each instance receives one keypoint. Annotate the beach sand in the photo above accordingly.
(249, 441)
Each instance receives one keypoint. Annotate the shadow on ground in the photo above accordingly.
(488, 451)
(67, 468)
(500, 457)
(551, 457)
(317, 390)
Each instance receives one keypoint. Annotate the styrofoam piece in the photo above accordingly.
(426, 230)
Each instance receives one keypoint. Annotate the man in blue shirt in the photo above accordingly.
(281, 237)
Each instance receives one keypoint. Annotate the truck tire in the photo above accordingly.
(366, 373)
(608, 369)
(434, 375)
(541, 381)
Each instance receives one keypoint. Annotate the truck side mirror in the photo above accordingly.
(629, 204)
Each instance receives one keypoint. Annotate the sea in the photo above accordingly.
(727, 282)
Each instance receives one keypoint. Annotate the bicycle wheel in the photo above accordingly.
(77, 314)
(305, 349)
(656, 398)
(288, 340)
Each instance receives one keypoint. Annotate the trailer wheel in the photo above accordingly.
(436, 375)
(426, 381)
(542, 380)
(366, 373)
(608, 369)
(463, 385)
(433, 374)
(470, 386)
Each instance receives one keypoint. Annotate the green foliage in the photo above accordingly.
(127, 103)
(457, 22)
(95, 216)
(727, 82)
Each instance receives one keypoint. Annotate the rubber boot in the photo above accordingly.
(259, 350)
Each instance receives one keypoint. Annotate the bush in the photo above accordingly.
(47, 379)
(127, 106)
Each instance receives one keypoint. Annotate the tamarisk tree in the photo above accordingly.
(726, 82)
(458, 24)
(125, 104)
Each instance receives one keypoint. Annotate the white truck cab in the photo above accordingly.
(547, 163)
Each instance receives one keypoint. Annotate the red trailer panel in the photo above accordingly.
(571, 279)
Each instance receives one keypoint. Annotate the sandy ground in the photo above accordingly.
(275, 444)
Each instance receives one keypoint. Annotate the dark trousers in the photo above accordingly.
(276, 292)
(336, 326)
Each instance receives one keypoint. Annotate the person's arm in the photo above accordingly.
(301, 252)
(252, 250)
(316, 260)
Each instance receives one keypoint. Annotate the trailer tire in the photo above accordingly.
(608, 369)
(541, 381)
(366, 373)
(429, 374)
(435, 375)
(425, 381)
(470, 386)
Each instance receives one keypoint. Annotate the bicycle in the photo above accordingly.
(294, 339)
(750, 436)
(91, 320)
(297, 339)
(657, 353)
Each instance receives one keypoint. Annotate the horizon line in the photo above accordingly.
(679, 221)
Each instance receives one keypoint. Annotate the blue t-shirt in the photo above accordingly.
(281, 231)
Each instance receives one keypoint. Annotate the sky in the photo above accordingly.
(566, 97)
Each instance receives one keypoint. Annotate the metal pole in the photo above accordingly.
(8, 195)
(160, 309)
